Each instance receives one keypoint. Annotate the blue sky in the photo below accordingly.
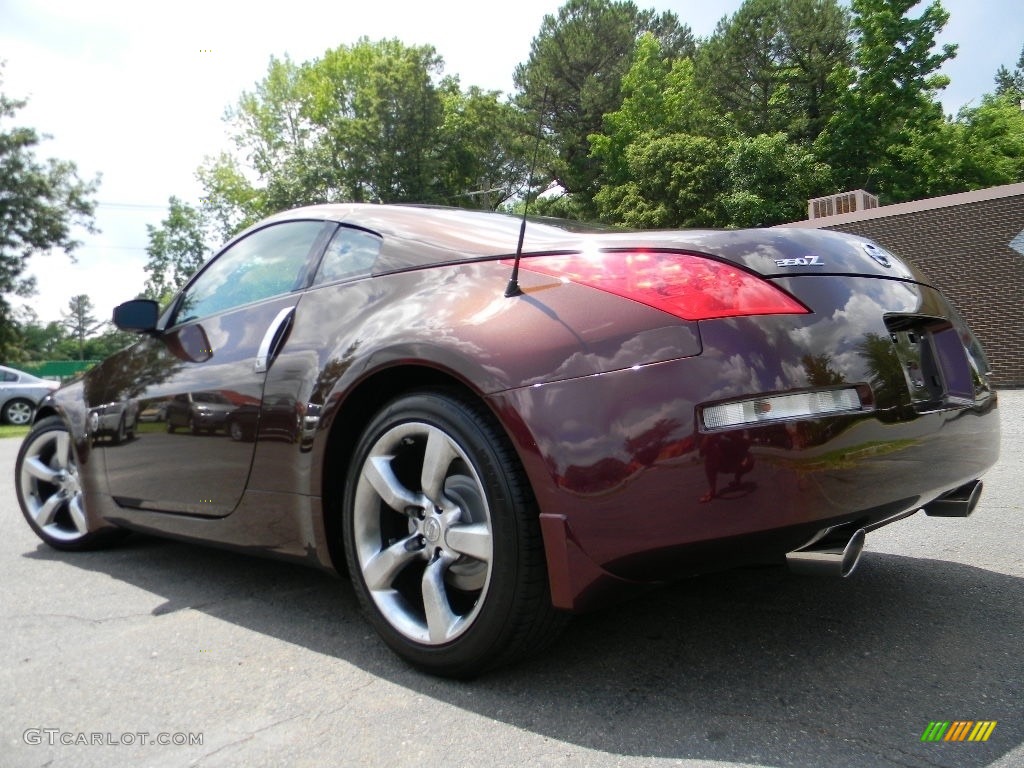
(127, 88)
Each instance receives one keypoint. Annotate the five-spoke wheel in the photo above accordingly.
(420, 507)
(49, 489)
(442, 537)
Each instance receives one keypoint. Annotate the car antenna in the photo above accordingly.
(513, 289)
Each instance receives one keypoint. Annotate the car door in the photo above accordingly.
(221, 337)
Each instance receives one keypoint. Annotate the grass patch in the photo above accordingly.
(7, 430)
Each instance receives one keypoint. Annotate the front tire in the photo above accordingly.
(50, 492)
(442, 537)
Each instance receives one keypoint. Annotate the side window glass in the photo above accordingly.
(351, 253)
(267, 263)
(8, 376)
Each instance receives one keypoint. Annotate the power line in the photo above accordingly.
(137, 206)
(112, 247)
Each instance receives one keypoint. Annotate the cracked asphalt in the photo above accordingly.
(271, 664)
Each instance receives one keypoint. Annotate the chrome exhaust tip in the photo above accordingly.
(958, 503)
(828, 557)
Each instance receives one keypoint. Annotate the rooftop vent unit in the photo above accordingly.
(844, 202)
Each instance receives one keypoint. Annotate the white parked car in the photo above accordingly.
(20, 393)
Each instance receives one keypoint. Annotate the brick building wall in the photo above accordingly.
(963, 242)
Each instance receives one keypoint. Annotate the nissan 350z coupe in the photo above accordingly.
(370, 389)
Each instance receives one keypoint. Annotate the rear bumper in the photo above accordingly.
(633, 490)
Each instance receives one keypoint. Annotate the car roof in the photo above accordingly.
(467, 233)
(415, 236)
(17, 371)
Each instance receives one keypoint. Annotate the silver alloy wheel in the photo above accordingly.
(50, 486)
(422, 533)
(18, 413)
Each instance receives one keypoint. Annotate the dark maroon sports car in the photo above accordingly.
(484, 453)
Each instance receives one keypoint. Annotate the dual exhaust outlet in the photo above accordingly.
(836, 551)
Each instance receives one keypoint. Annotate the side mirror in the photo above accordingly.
(139, 315)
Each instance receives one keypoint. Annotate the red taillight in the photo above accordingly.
(684, 285)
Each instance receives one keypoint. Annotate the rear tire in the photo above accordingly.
(121, 434)
(442, 538)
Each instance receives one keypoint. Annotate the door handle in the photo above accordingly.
(271, 339)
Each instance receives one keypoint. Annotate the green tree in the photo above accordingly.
(660, 152)
(484, 146)
(982, 147)
(890, 99)
(364, 123)
(768, 66)
(670, 160)
(107, 343)
(673, 181)
(40, 203)
(660, 96)
(769, 181)
(176, 250)
(993, 151)
(1011, 84)
(37, 341)
(232, 202)
(80, 322)
(574, 71)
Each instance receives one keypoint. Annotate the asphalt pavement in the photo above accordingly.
(233, 661)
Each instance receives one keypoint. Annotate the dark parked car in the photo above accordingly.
(198, 412)
(484, 453)
(20, 393)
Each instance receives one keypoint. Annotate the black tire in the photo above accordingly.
(50, 494)
(121, 434)
(483, 614)
(192, 426)
(18, 412)
(170, 427)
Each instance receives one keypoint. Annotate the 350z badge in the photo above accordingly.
(806, 261)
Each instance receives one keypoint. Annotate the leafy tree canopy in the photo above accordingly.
(890, 99)
(177, 249)
(768, 66)
(371, 122)
(40, 203)
(575, 70)
(1011, 84)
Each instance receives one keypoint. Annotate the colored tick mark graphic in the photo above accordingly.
(958, 730)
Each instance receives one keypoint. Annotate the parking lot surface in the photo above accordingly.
(242, 662)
